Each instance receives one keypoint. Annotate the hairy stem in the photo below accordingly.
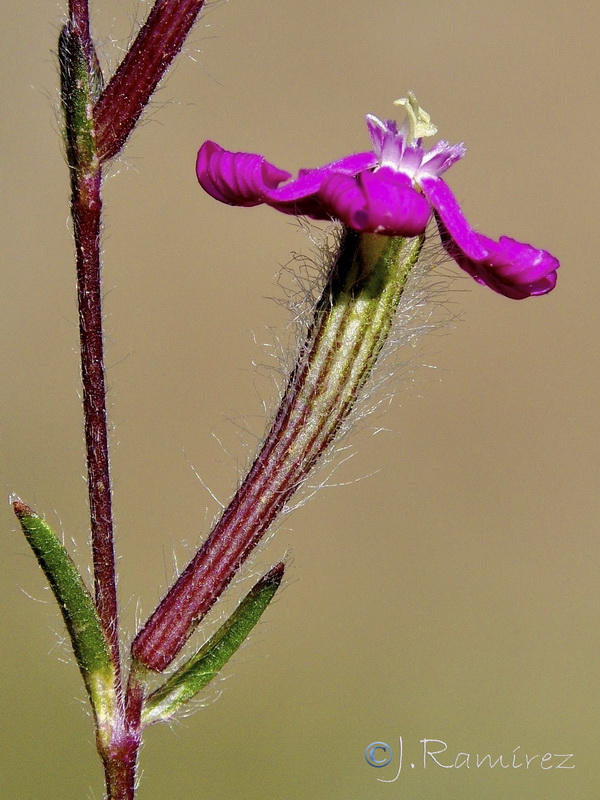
(79, 17)
(79, 85)
(116, 736)
(120, 748)
(351, 323)
(86, 208)
(149, 57)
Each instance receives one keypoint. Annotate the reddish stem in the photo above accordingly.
(86, 206)
(156, 45)
(120, 769)
(117, 747)
(79, 16)
(339, 353)
(93, 134)
(120, 756)
(76, 51)
(271, 481)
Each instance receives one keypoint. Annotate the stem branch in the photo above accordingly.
(147, 60)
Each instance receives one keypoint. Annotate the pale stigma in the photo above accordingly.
(419, 121)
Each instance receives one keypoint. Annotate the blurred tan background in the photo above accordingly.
(454, 595)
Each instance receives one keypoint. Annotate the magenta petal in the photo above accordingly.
(377, 202)
(522, 260)
(515, 268)
(309, 181)
(246, 179)
(511, 268)
(441, 157)
(446, 205)
(380, 132)
(343, 196)
(238, 179)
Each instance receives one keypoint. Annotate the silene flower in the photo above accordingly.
(391, 190)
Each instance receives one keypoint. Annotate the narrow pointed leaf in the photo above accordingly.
(204, 666)
(89, 642)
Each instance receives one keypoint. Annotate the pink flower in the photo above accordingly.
(391, 190)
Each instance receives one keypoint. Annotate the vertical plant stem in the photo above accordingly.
(86, 208)
(120, 754)
(79, 87)
(120, 778)
(120, 769)
(79, 15)
(117, 738)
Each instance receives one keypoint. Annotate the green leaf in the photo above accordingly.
(204, 666)
(90, 644)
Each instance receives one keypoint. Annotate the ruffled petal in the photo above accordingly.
(446, 205)
(247, 179)
(238, 179)
(381, 202)
(511, 268)
(516, 268)
(341, 195)
(309, 181)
